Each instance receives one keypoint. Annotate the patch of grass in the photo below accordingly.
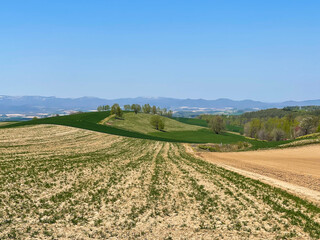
(141, 123)
(201, 136)
(192, 121)
(233, 128)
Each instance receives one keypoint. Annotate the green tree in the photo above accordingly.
(154, 109)
(157, 122)
(216, 124)
(290, 117)
(255, 126)
(146, 108)
(136, 108)
(307, 125)
(114, 108)
(169, 114)
(127, 107)
(103, 108)
(119, 112)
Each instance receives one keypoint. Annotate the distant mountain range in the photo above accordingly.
(39, 104)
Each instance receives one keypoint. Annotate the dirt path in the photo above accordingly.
(105, 120)
(294, 169)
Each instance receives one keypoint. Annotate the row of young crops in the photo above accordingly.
(63, 182)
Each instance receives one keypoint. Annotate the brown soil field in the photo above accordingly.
(299, 166)
(60, 182)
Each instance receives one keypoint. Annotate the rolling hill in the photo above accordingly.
(180, 131)
(141, 123)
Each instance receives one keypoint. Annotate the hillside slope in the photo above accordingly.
(90, 121)
(141, 123)
(63, 182)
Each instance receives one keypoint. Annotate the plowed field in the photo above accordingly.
(63, 182)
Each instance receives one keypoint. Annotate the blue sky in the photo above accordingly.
(261, 50)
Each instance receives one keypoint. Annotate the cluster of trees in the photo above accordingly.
(272, 124)
(115, 109)
(276, 129)
(103, 108)
(280, 113)
(279, 124)
(136, 108)
(146, 108)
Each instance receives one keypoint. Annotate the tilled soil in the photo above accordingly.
(61, 182)
(300, 166)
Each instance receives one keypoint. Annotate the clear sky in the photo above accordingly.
(261, 50)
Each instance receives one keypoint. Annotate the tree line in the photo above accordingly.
(285, 128)
(275, 124)
(137, 108)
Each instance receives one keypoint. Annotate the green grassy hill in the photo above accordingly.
(141, 123)
(192, 121)
(138, 127)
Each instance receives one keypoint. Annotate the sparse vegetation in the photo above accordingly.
(75, 183)
(239, 146)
